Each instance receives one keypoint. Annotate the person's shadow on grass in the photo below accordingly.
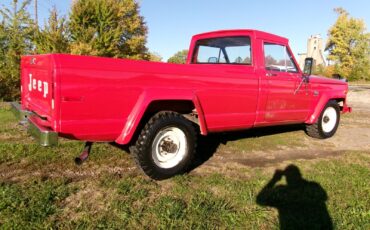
(301, 203)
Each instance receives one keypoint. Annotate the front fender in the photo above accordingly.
(324, 99)
(149, 96)
(315, 113)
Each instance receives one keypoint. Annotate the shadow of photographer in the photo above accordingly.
(300, 203)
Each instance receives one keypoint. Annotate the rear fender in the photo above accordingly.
(149, 96)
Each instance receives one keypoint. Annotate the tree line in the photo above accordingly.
(115, 28)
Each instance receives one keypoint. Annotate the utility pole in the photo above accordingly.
(15, 2)
(36, 17)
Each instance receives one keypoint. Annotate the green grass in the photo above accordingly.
(31, 205)
(10, 132)
(42, 188)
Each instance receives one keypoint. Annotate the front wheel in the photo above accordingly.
(166, 145)
(327, 123)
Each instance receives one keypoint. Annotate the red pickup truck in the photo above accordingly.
(232, 80)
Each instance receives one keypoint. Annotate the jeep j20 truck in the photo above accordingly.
(232, 80)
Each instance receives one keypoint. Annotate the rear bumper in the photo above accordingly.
(18, 112)
(44, 135)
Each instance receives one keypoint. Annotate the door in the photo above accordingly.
(287, 95)
(229, 90)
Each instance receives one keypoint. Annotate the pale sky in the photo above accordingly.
(171, 23)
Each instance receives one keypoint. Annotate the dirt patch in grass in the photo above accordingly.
(88, 200)
(269, 159)
(359, 99)
(231, 164)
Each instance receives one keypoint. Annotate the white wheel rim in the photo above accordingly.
(329, 119)
(169, 147)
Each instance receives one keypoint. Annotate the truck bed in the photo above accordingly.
(93, 98)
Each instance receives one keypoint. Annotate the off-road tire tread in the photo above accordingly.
(315, 131)
(141, 151)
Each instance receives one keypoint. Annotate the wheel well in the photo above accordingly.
(340, 102)
(180, 106)
(185, 107)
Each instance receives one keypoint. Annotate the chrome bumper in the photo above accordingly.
(18, 112)
(43, 135)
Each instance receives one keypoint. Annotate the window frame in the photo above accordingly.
(289, 55)
(223, 51)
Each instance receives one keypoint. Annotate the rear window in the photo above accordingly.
(225, 50)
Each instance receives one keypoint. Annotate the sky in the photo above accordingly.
(172, 23)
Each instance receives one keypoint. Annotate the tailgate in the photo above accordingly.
(37, 78)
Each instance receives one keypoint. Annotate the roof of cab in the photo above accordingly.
(236, 32)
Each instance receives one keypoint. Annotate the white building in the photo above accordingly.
(315, 49)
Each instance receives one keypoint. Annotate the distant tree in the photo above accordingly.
(16, 32)
(154, 56)
(111, 28)
(53, 38)
(247, 60)
(349, 46)
(270, 60)
(3, 42)
(3, 48)
(326, 71)
(179, 57)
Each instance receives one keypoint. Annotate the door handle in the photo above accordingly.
(271, 74)
(72, 99)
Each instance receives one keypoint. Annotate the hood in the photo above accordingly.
(324, 80)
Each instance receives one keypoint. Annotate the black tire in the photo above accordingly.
(150, 145)
(316, 130)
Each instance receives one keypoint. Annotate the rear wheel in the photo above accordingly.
(166, 145)
(327, 123)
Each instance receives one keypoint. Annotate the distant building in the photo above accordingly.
(315, 50)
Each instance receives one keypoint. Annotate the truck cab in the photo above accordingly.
(265, 59)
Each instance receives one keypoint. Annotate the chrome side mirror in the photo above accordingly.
(308, 63)
(212, 60)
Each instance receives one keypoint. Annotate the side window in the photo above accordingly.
(239, 54)
(207, 54)
(278, 58)
(224, 50)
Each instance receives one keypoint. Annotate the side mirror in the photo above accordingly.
(308, 63)
(212, 60)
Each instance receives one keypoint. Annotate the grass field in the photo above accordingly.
(43, 188)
